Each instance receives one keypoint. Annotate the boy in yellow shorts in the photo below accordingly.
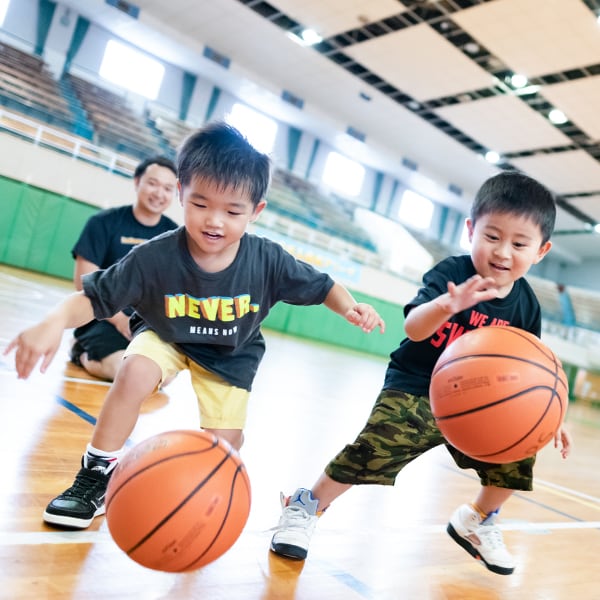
(199, 293)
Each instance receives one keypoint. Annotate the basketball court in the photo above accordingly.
(374, 543)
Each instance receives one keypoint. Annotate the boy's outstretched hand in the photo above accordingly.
(472, 291)
(42, 340)
(563, 440)
(366, 317)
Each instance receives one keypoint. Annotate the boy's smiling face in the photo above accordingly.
(504, 246)
(215, 219)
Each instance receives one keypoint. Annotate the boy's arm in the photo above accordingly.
(425, 319)
(340, 301)
(43, 339)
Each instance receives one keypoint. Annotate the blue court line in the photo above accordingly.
(81, 413)
(76, 410)
(354, 584)
(521, 496)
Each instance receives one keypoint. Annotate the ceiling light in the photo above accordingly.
(597, 227)
(557, 117)
(471, 48)
(492, 157)
(518, 80)
(307, 37)
(528, 89)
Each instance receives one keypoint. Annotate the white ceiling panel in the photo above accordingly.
(334, 16)
(589, 205)
(504, 124)
(580, 101)
(563, 172)
(535, 37)
(441, 69)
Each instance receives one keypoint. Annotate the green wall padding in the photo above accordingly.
(320, 324)
(38, 228)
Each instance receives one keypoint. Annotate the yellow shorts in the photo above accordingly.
(222, 405)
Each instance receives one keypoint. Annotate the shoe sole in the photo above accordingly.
(289, 551)
(71, 522)
(463, 543)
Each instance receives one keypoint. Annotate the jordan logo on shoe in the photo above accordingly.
(298, 499)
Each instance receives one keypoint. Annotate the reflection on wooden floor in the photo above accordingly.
(375, 543)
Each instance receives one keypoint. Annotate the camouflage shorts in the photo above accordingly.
(400, 429)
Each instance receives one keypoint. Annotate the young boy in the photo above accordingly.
(99, 346)
(200, 293)
(511, 221)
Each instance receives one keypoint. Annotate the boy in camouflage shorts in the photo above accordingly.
(404, 421)
(511, 221)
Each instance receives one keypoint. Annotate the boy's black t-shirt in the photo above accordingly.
(214, 318)
(412, 363)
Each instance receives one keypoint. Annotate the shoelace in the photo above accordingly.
(492, 535)
(83, 486)
(294, 516)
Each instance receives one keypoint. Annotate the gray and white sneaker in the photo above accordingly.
(482, 539)
(76, 507)
(296, 525)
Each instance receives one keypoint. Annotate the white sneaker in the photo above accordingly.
(481, 539)
(296, 525)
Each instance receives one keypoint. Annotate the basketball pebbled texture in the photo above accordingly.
(178, 500)
(498, 394)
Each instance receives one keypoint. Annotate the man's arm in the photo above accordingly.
(120, 321)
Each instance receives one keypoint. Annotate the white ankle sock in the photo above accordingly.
(103, 453)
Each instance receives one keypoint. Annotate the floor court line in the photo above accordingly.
(33, 538)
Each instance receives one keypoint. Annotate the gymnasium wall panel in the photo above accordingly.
(38, 228)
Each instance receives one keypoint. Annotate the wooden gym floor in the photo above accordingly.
(375, 543)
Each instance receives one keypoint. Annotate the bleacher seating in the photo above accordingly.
(548, 297)
(27, 86)
(299, 198)
(116, 124)
(172, 129)
(586, 306)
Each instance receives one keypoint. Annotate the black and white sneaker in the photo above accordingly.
(76, 507)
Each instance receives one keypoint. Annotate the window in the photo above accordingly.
(259, 129)
(343, 174)
(132, 69)
(3, 10)
(415, 210)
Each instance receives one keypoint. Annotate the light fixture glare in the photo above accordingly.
(492, 157)
(557, 116)
(518, 81)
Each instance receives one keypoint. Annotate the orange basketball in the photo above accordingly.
(498, 394)
(178, 500)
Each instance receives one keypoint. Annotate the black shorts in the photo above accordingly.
(99, 339)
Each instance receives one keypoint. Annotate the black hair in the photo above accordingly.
(161, 161)
(220, 153)
(518, 194)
